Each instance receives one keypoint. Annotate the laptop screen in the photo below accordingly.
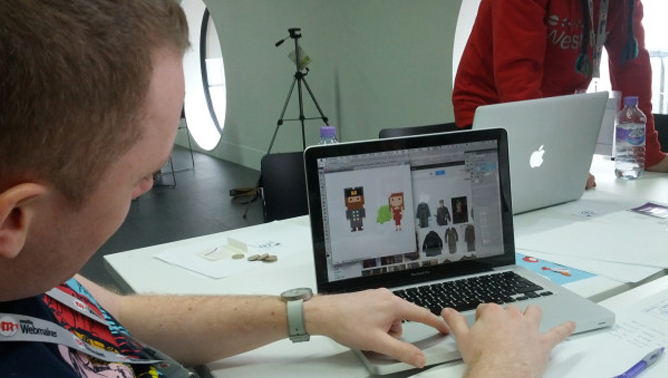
(395, 211)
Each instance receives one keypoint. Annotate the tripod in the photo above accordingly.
(299, 80)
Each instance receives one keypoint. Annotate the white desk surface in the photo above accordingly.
(142, 273)
(652, 186)
(610, 193)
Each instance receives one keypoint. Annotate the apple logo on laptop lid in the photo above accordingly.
(536, 159)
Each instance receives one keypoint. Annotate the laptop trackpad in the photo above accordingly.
(438, 348)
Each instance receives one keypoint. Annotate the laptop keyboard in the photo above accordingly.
(468, 293)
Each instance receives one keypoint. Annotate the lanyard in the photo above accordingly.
(599, 35)
(16, 327)
(77, 305)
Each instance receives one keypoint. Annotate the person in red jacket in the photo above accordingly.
(526, 49)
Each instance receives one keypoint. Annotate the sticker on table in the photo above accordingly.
(652, 209)
(556, 273)
(586, 213)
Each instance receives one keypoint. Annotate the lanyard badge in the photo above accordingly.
(16, 327)
(599, 36)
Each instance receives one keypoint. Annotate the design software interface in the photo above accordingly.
(406, 209)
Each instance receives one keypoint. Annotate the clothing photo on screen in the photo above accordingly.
(460, 212)
(442, 214)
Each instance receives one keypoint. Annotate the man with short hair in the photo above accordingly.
(90, 99)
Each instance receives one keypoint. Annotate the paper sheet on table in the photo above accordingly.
(640, 328)
(617, 237)
(595, 204)
(617, 271)
(281, 239)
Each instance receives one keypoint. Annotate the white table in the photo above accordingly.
(611, 195)
(652, 186)
(143, 274)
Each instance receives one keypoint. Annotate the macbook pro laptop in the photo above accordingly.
(431, 211)
(551, 142)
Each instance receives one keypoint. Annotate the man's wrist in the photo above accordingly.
(295, 299)
(315, 316)
(486, 368)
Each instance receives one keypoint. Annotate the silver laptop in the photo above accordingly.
(426, 210)
(551, 142)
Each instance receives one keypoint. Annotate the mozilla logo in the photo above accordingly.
(8, 326)
(563, 32)
(553, 21)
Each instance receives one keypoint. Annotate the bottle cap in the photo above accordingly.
(328, 132)
(630, 100)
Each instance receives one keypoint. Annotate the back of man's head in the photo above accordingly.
(74, 75)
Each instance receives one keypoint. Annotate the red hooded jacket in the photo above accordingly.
(524, 49)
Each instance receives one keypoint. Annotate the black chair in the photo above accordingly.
(417, 130)
(661, 126)
(283, 185)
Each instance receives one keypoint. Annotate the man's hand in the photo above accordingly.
(505, 342)
(661, 166)
(591, 182)
(369, 320)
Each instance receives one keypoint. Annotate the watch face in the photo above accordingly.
(299, 293)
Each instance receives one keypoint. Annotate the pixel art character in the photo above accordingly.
(355, 213)
(396, 201)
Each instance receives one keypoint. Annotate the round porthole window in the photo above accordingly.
(206, 97)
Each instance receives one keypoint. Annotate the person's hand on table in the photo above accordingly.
(505, 342)
(661, 166)
(369, 320)
(591, 182)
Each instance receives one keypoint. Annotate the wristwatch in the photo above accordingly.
(294, 299)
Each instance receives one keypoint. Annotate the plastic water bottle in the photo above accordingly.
(630, 140)
(328, 135)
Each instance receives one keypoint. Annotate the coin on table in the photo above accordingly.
(238, 256)
(270, 258)
(253, 257)
(263, 256)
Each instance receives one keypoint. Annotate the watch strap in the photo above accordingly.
(297, 330)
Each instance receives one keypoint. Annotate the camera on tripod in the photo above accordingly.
(301, 60)
(297, 55)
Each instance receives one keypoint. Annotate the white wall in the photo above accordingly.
(376, 64)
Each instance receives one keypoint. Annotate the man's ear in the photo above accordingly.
(17, 210)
